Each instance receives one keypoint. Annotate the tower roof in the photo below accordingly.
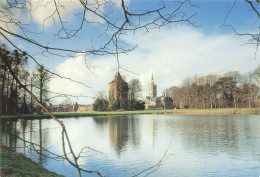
(117, 77)
(152, 80)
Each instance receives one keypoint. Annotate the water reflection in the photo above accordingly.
(118, 133)
(213, 135)
(207, 145)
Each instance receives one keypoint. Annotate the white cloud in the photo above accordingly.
(43, 11)
(8, 19)
(171, 54)
(76, 69)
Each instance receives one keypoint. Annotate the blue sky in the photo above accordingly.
(171, 53)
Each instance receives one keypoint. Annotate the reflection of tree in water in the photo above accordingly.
(100, 122)
(28, 136)
(133, 129)
(42, 142)
(7, 139)
(214, 135)
(209, 135)
(21, 135)
(23, 124)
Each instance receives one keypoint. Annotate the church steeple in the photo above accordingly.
(152, 88)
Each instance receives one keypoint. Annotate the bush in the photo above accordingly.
(136, 105)
(100, 104)
(115, 106)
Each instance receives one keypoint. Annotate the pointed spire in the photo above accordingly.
(117, 77)
(152, 76)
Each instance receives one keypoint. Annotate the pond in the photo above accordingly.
(154, 145)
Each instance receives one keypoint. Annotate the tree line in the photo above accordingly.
(230, 90)
(13, 99)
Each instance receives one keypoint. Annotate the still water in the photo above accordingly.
(127, 145)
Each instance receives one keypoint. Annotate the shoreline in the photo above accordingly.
(13, 163)
(223, 111)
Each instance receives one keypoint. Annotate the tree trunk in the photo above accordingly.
(7, 94)
(234, 97)
(249, 100)
(196, 101)
(203, 102)
(31, 98)
(16, 98)
(24, 100)
(41, 87)
(189, 102)
(2, 93)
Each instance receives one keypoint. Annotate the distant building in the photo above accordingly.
(118, 90)
(70, 108)
(154, 102)
(60, 108)
(83, 108)
(152, 89)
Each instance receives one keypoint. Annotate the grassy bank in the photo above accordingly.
(226, 111)
(16, 164)
(88, 113)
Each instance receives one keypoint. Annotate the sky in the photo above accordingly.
(171, 53)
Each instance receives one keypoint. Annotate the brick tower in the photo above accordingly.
(118, 90)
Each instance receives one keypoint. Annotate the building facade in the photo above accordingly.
(118, 90)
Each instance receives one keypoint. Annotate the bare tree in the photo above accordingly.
(10, 92)
(229, 90)
(211, 80)
(101, 101)
(254, 37)
(87, 15)
(134, 89)
(248, 87)
(256, 75)
(41, 79)
(24, 78)
(101, 94)
(233, 84)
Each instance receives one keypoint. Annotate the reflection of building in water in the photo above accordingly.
(118, 132)
(125, 131)
(154, 102)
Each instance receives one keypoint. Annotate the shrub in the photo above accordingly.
(100, 104)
